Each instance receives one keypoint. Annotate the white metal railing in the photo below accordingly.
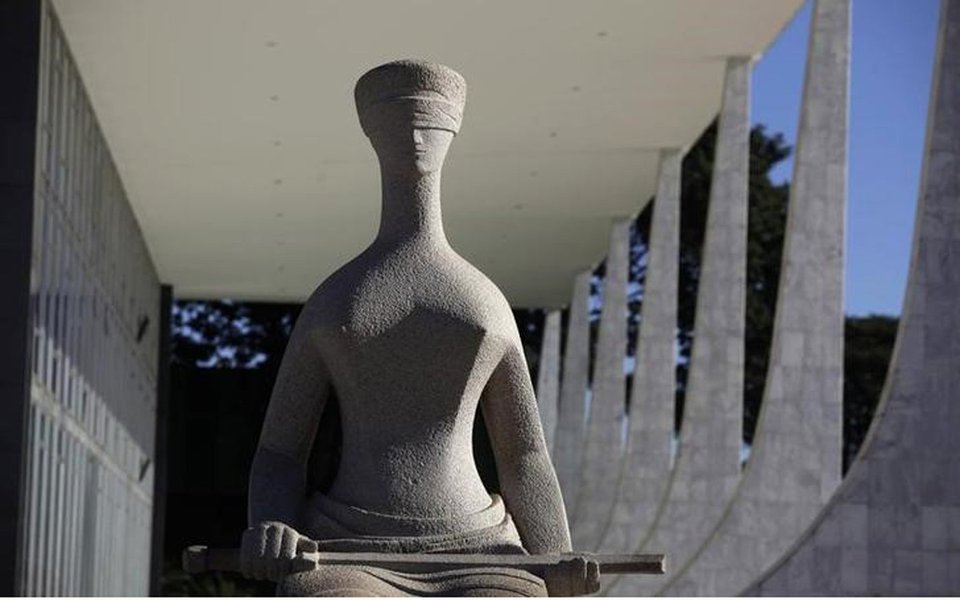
(95, 294)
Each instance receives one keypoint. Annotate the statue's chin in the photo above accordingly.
(426, 166)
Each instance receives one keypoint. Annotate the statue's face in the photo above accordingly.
(430, 148)
(404, 147)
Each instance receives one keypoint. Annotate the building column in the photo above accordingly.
(795, 464)
(646, 468)
(603, 452)
(568, 442)
(548, 376)
(708, 463)
(160, 452)
(891, 530)
(19, 71)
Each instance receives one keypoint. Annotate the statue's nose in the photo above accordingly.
(417, 136)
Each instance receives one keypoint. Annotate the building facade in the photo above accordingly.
(88, 338)
(85, 315)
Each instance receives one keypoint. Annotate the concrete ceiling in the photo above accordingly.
(233, 126)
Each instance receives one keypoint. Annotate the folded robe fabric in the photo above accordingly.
(342, 528)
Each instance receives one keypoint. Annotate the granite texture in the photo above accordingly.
(414, 340)
(645, 469)
(548, 377)
(893, 527)
(794, 466)
(708, 463)
(568, 446)
(603, 450)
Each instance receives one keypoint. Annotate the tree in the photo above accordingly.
(869, 340)
(766, 220)
(227, 334)
(867, 350)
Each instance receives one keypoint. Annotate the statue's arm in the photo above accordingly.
(279, 472)
(528, 482)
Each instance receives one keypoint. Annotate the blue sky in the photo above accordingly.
(891, 64)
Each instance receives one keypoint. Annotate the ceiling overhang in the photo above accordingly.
(233, 127)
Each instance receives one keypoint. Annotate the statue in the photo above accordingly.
(413, 338)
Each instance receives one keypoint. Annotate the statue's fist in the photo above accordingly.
(268, 550)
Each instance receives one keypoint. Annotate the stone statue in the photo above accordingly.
(413, 338)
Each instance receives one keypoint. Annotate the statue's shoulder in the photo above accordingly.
(480, 291)
(334, 293)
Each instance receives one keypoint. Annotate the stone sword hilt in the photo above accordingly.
(581, 570)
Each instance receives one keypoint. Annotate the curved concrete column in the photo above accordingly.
(708, 463)
(603, 452)
(646, 467)
(548, 376)
(894, 526)
(568, 442)
(795, 464)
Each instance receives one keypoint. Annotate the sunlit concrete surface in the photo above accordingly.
(233, 126)
(893, 528)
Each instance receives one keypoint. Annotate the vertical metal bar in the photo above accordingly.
(45, 317)
(39, 319)
(88, 552)
(57, 549)
(63, 560)
(33, 576)
(44, 504)
(123, 536)
(81, 466)
(74, 471)
(110, 537)
(31, 509)
(36, 260)
(53, 373)
(47, 506)
(60, 127)
(53, 565)
(97, 543)
(160, 440)
(116, 530)
(103, 543)
(67, 529)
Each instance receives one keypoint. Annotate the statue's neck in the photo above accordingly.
(411, 208)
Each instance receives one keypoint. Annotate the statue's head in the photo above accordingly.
(411, 110)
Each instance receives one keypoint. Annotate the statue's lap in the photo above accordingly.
(338, 527)
(340, 580)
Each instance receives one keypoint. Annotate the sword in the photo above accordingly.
(580, 570)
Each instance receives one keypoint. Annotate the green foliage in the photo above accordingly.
(867, 350)
(231, 335)
(767, 217)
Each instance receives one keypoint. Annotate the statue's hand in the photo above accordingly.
(268, 550)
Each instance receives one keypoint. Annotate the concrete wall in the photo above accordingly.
(548, 377)
(708, 464)
(568, 444)
(603, 450)
(93, 356)
(894, 526)
(646, 466)
(795, 464)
